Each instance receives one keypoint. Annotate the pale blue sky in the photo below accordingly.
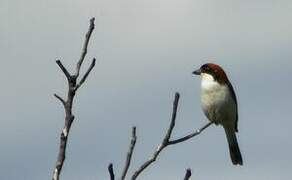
(146, 51)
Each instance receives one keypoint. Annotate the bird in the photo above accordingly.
(219, 104)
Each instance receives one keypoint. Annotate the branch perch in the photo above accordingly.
(197, 132)
(68, 103)
(166, 140)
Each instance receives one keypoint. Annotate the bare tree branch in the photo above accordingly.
(84, 49)
(63, 144)
(197, 132)
(172, 122)
(61, 99)
(111, 171)
(129, 154)
(188, 174)
(67, 74)
(86, 74)
(166, 140)
(68, 103)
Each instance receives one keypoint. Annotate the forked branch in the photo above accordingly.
(68, 103)
(165, 142)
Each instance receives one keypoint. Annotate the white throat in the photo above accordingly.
(208, 81)
(206, 76)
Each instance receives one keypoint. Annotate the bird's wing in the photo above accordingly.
(234, 98)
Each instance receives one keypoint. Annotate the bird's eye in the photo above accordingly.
(205, 67)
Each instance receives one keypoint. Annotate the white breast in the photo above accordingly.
(213, 93)
(216, 100)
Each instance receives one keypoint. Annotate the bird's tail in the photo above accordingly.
(234, 151)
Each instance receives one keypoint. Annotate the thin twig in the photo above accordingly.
(197, 132)
(61, 99)
(84, 49)
(130, 152)
(67, 74)
(86, 74)
(173, 117)
(111, 171)
(68, 103)
(188, 174)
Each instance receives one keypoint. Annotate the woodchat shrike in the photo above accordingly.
(220, 105)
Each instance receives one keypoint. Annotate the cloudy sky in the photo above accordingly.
(146, 51)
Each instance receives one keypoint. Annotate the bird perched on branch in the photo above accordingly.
(220, 105)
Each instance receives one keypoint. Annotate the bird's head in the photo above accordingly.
(212, 71)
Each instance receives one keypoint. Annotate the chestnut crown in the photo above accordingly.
(214, 70)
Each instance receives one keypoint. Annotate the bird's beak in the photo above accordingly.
(197, 72)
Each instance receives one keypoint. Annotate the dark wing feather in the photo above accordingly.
(234, 98)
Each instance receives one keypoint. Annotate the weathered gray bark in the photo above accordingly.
(73, 86)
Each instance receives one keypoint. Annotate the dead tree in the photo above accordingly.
(167, 141)
(74, 82)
